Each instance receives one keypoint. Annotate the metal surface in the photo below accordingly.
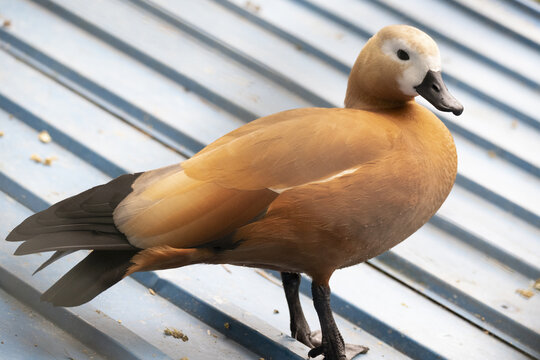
(130, 85)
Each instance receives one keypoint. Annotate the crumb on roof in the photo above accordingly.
(44, 137)
(36, 158)
(527, 294)
(175, 333)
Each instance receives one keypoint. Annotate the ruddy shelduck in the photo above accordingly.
(301, 191)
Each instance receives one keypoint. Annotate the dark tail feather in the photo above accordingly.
(96, 273)
(91, 210)
(56, 256)
(83, 221)
(73, 240)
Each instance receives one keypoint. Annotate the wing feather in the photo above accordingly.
(300, 148)
(228, 183)
(182, 212)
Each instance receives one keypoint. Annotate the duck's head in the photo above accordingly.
(397, 64)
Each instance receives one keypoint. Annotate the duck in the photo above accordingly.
(303, 191)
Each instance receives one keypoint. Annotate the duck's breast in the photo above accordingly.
(371, 208)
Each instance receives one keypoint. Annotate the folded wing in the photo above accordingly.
(230, 182)
(182, 212)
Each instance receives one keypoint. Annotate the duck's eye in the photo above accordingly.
(402, 54)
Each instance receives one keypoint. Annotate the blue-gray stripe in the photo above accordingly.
(528, 6)
(497, 25)
(85, 332)
(233, 53)
(498, 200)
(490, 146)
(62, 317)
(211, 315)
(21, 194)
(462, 304)
(149, 61)
(299, 43)
(61, 138)
(98, 95)
(505, 258)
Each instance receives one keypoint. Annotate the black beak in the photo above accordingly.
(434, 90)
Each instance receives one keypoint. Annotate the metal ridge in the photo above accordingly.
(529, 6)
(100, 96)
(233, 53)
(457, 301)
(494, 23)
(528, 270)
(148, 61)
(107, 341)
(67, 142)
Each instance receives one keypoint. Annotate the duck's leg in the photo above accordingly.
(299, 326)
(333, 347)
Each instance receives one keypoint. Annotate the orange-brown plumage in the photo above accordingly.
(318, 226)
(301, 191)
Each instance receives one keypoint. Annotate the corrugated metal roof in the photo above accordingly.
(130, 85)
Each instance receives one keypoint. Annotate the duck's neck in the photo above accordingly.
(358, 98)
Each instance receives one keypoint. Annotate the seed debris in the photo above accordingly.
(527, 294)
(36, 158)
(253, 7)
(44, 137)
(175, 333)
(49, 159)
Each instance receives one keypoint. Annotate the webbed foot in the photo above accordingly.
(351, 350)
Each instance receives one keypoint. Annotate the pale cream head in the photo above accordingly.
(391, 68)
(413, 50)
